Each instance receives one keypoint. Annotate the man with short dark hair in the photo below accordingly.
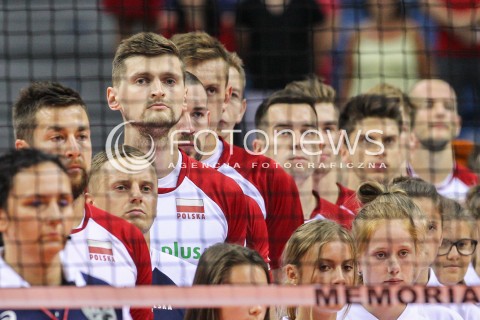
(197, 206)
(372, 151)
(289, 134)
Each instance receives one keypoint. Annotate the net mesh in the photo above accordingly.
(353, 45)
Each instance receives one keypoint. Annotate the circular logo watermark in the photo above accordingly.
(121, 160)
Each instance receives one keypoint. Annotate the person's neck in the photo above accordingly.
(423, 277)
(147, 239)
(307, 199)
(386, 312)
(353, 180)
(325, 184)
(309, 313)
(78, 211)
(433, 167)
(210, 145)
(228, 137)
(165, 153)
(46, 273)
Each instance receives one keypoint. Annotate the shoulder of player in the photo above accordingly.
(118, 227)
(465, 174)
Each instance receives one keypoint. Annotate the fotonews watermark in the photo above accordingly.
(308, 140)
(121, 160)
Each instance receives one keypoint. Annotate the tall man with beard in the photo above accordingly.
(437, 123)
(197, 206)
(54, 119)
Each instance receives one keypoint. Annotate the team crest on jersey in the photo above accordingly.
(100, 250)
(8, 315)
(190, 209)
(99, 313)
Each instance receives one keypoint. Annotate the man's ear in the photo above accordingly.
(21, 144)
(243, 108)
(291, 272)
(228, 94)
(258, 145)
(89, 199)
(113, 104)
(184, 106)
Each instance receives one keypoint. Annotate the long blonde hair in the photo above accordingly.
(308, 235)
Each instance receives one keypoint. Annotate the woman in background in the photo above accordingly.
(230, 264)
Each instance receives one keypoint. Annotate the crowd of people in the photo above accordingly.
(369, 193)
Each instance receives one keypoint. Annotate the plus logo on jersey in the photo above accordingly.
(100, 250)
(190, 209)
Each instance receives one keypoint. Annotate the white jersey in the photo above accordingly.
(357, 312)
(203, 208)
(11, 279)
(465, 310)
(108, 248)
(456, 185)
(471, 277)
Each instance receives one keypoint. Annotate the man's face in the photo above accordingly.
(132, 197)
(236, 106)
(286, 123)
(196, 119)
(369, 163)
(66, 132)
(152, 92)
(327, 124)
(39, 214)
(437, 122)
(214, 79)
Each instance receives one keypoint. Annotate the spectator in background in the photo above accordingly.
(437, 123)
(280, 41)
(129, 14)
(458, 52)
(386, 48)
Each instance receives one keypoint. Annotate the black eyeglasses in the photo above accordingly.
(465, 247)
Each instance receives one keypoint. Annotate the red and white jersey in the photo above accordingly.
(347, 198)
(110, 249)
(327, 210)
(257, 234)
(203, 208)
(456, 185)
(274, 190)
